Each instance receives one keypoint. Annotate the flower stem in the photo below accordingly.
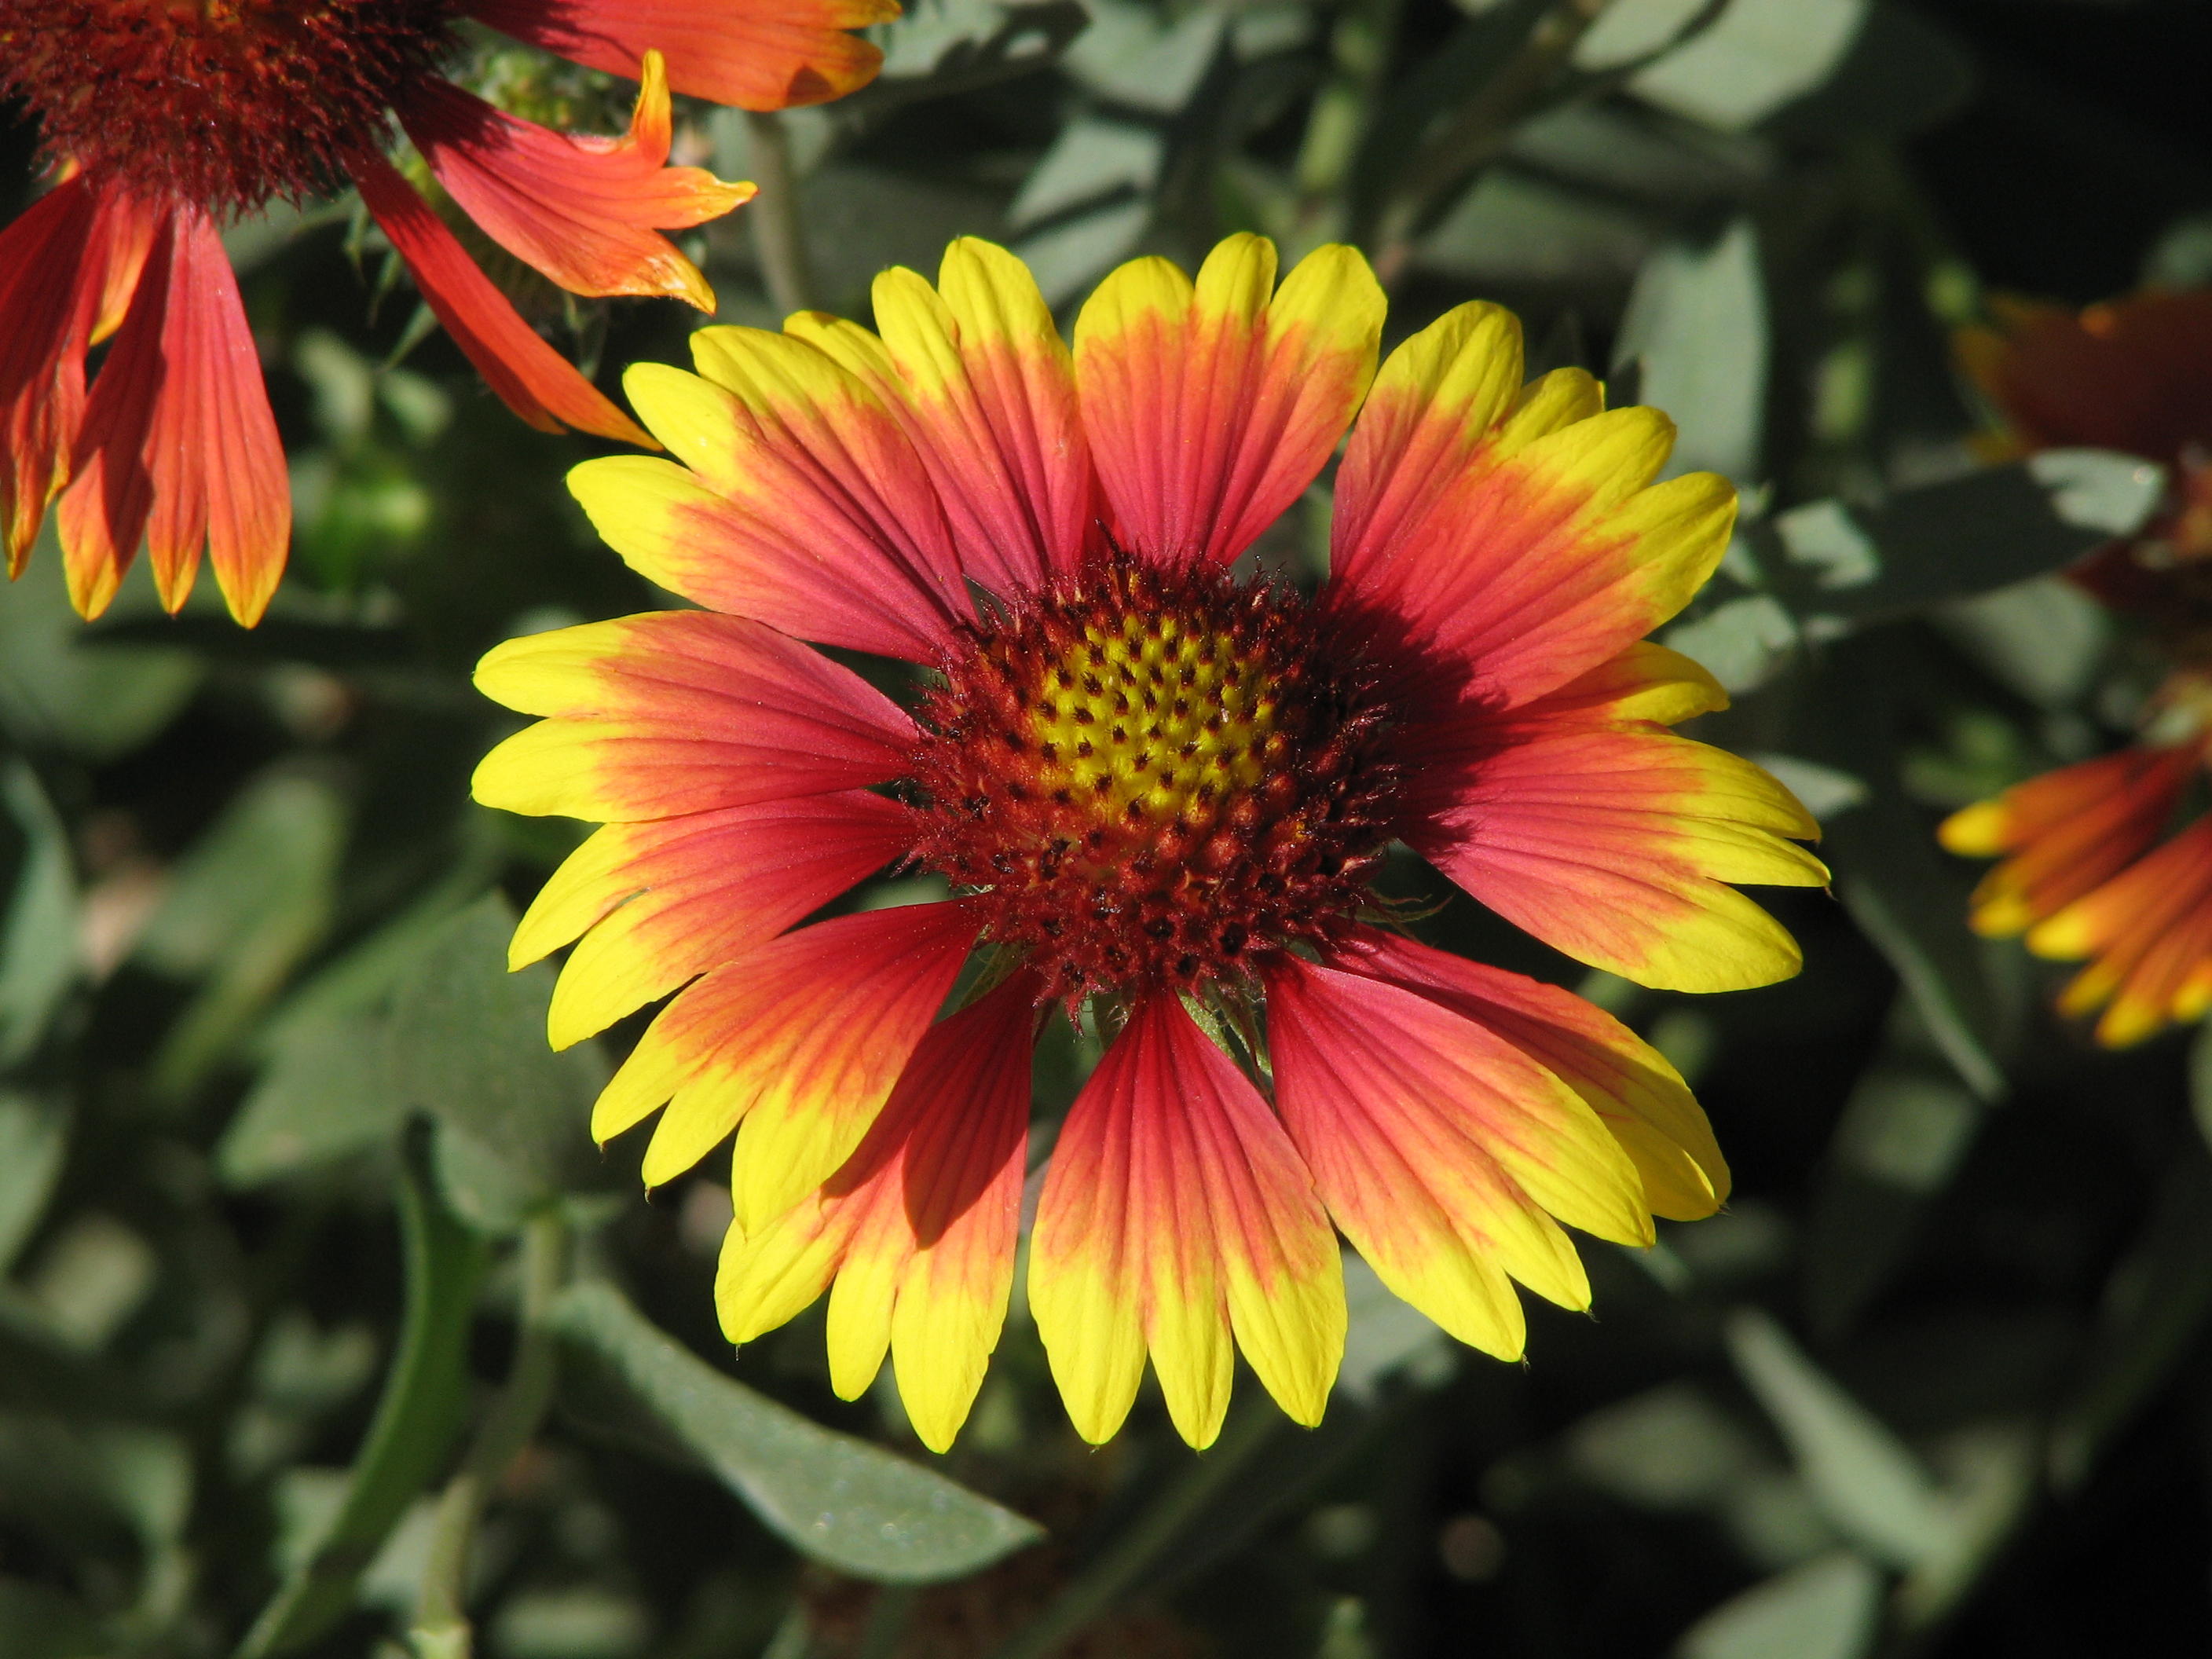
(441, 1627)
(778, 241)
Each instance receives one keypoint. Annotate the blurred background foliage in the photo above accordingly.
(322, 1329)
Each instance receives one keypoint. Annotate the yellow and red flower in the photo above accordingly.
(2093, 869)
(1160, 792)
(167, 116)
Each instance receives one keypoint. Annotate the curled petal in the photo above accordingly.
(531, 379)
(583, 211)
(69, 266)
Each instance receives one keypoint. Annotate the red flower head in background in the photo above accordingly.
(167, 118)
(2091, 870)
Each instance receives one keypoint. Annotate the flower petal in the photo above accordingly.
(1518, 561)
(918, 1228)
(802, 1038)
(1645, 682)
(531, 379)
(1612, 844)
(584, 211)
(2147, 933)
(1433, 408)
(1211, 408)
(674, 712)
(659, 903)
(2133, 374)
(69, 264)
(805, 505)
(2068, 832)
(1174, 1214)
(1442, 1151)
(178, 442)
(988, 387)
(764, 54)
(1629, 1084)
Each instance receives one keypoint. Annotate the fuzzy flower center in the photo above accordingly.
(221, 103)
(1147, 779)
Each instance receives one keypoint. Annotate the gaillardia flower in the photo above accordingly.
(167, 117)
(1159, 792)
(2109, 861)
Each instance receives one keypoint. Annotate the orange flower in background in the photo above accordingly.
(1158, 794)
(167, 118)
(2095, 867)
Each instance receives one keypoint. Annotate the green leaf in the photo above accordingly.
(1511, 228)
(327, 1087)
(935, 49)
(1905, 1131)
(1818, 572)
(467, 1045)
(37, 1622)
(1697, 324)
(326, 1090)
(1756, 57)
(57, 689)
(2041, 639)
(1091, 160)
(1127, 57)
(421, 1409)
(33, 1138)
(39, 926)
(842, 1501)
(1827, 1608)
(1668, 1448)
(254, 894)
(2159, 1298)
(1906, 894)
(1865, 1481)
(1839, 567)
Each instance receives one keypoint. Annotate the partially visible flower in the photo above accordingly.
(165, 119)
(1160, 795)
(2107, 861)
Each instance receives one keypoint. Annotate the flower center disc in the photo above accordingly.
(1147, 777)
(222, 103)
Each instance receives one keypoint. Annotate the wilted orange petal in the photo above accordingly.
(583, 211)
(762, 54)
(531, 377)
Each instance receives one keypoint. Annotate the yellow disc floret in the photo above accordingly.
(1147, 776)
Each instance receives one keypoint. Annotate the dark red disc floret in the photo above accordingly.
(220, 103)
(1149, 778)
